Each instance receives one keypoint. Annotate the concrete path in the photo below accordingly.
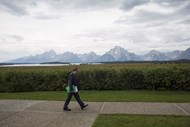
(25, 113)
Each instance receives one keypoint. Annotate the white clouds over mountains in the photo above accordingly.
(34, 26)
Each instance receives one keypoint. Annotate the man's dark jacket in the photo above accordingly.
(72, 80)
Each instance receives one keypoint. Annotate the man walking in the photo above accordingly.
(72, 80)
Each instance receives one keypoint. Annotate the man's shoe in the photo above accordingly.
(84, 106)
(67, 109)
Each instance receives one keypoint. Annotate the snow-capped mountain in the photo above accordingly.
(44, 57)
(120, 54)
(154, 55)
(116, 54)
(106, 58)
(173, 55)
(67, 57)
(185, 54)
(88, 57)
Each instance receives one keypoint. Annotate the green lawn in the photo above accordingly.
(123, 120)
(106, 96)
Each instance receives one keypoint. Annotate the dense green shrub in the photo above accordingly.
(32, 81)
(131, 79)
(168, 77)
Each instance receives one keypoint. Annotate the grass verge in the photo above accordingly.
(105, 96)
(124, 120)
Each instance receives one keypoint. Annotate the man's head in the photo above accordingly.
(75, 70)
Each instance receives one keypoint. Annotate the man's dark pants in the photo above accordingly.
(77, 97)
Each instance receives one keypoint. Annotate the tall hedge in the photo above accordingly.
(168, 78)
(32, 81)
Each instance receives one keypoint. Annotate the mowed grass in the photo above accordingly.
(124, 120)
(105, 96)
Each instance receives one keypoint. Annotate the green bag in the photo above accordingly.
(75, 89)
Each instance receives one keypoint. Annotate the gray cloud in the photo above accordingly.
(169, 2)
(44, 16)
(130, 4)
(10, 38)
(17, 7)
(165, 28)
(173, 36)
(144, 18)
(16, 37)
(21, 7)
(95, 3)
(185, 39)
(83, 4)
(184, 9)
(149, 18)
(185, 21)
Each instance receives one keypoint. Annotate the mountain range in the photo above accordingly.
(116, 54)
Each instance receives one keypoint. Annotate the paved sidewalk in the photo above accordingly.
(26, 113)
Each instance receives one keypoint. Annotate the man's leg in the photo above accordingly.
(77, 97)
(69, 96)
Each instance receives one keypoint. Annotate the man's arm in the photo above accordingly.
(70, 81)
(75, 81)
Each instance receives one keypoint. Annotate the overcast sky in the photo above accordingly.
(28, 27)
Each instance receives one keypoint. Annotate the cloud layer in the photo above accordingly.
(34, 26)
